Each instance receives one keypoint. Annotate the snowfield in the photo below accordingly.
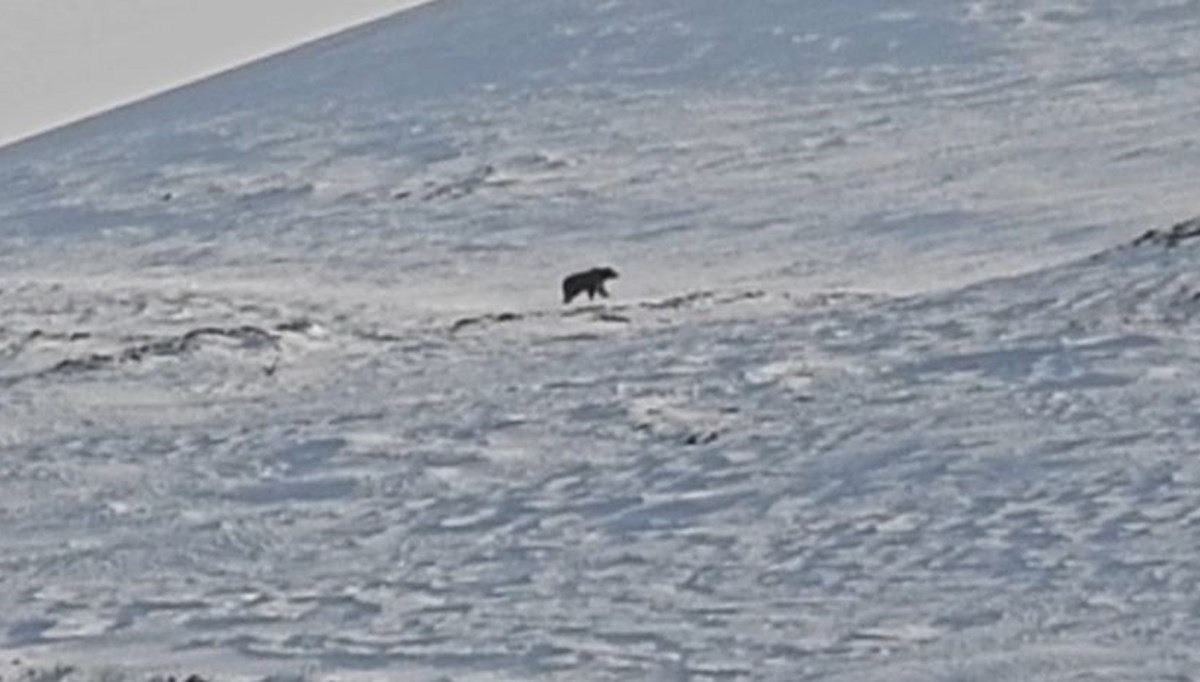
(885, 390)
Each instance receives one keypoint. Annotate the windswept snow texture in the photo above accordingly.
(286, 388)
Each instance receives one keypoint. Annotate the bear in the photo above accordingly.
(591, 281)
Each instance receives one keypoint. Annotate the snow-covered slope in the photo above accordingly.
(287, 388)
(864, 143)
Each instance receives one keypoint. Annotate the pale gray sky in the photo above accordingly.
(61, 60)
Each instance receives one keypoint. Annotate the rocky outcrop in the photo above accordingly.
(1170, 237)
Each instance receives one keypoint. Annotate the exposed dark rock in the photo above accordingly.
(462, 187)
(465, 322)
(87, 363)
(1172, 236)
(701, 438)
(694, 297)
(378, 336)
(164, 347)
(300, 325)
(584, 310)
(65, 336)
(190, 678)
(245, 333)
(679, 301)
(461, 323)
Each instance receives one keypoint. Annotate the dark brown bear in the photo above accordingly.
(591, 281)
